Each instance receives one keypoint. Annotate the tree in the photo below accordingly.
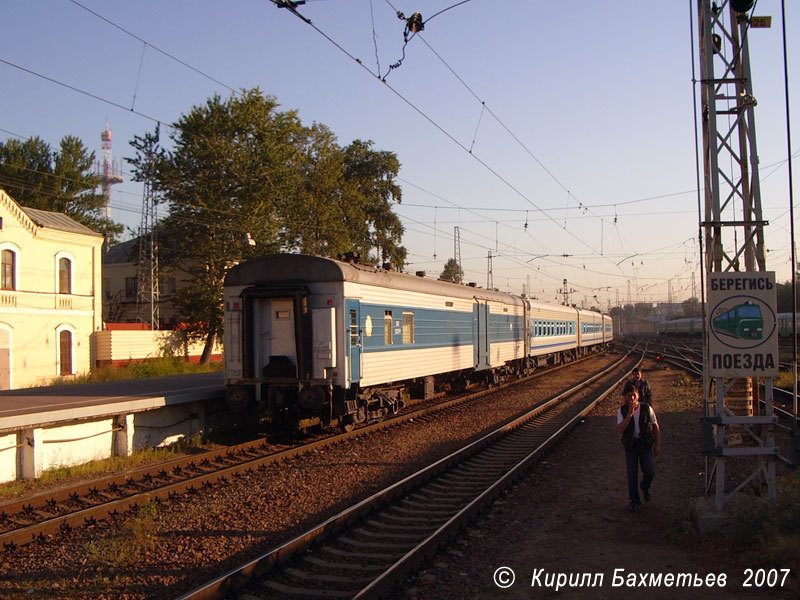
(784, 293)
(59, 181)
(370, 190)
(642, 310)
(691, 308)
(452, 272)
(240, 168)
(229, 171)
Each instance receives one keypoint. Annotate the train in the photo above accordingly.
(319, 340)
(694, 325)
(743, 321)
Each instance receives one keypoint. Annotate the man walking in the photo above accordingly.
(645, 395)
(641, 437)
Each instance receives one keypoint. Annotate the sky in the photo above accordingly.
(556, 136)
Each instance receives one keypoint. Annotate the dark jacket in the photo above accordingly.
(645, 395)
(645, 426)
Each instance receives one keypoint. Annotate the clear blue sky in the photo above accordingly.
(586, 134)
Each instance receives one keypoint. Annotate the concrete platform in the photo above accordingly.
(48, 405)
(42, 428)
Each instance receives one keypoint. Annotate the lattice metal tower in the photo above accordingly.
(108, 171)
(147, 298)
(733, 229)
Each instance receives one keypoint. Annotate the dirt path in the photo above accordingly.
(570, 516)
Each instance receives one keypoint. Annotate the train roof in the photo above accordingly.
(300, 269)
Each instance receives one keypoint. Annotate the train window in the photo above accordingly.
(353, 328)
(281, 314)
(408, 328)
(387, 327)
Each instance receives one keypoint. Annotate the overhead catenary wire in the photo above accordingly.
(545, 209)
(154, 47)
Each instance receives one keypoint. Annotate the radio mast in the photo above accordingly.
(108, 171)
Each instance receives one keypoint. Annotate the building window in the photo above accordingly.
(387, 327)
(408, 328)
(131, 287)
(8, 259)
(64, 276)
(65, 352)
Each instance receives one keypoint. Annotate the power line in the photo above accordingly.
(154, 47)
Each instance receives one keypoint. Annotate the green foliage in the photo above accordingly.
(692, 308)
(159, 367)
(97, 468)
(36, 176)
(138, 536)
(785, 299)
(452, 272)
(770, 532)
(241, 169)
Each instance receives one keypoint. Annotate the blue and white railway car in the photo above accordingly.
(591, 330)
(311, 337)
(553, 329)
(608, 329)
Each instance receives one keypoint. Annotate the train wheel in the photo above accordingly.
(347, 423)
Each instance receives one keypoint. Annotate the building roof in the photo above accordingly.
(124, 252)
(59, 221)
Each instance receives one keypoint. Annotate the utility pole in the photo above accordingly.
(489, 275)
(565, 292)
(733, 229)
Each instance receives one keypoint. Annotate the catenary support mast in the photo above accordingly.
(733, 229)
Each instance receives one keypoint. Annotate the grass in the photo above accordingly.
(159, 367)
(769, 533)
(137, 537)
(762, 534)
(52, 478)
(784, 380)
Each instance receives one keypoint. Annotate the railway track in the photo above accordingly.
(44, 515)
(363, 551)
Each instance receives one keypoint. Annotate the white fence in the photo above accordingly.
(124, 346)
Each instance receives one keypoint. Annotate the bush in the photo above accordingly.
(770, 532)
(159, 367)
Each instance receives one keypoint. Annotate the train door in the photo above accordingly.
(274, 329)
(480, 336)
(353, 308)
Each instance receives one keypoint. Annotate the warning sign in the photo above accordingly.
(743, 332)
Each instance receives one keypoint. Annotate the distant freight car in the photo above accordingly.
(317, 339)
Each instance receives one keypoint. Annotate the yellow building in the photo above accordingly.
(50, 295)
